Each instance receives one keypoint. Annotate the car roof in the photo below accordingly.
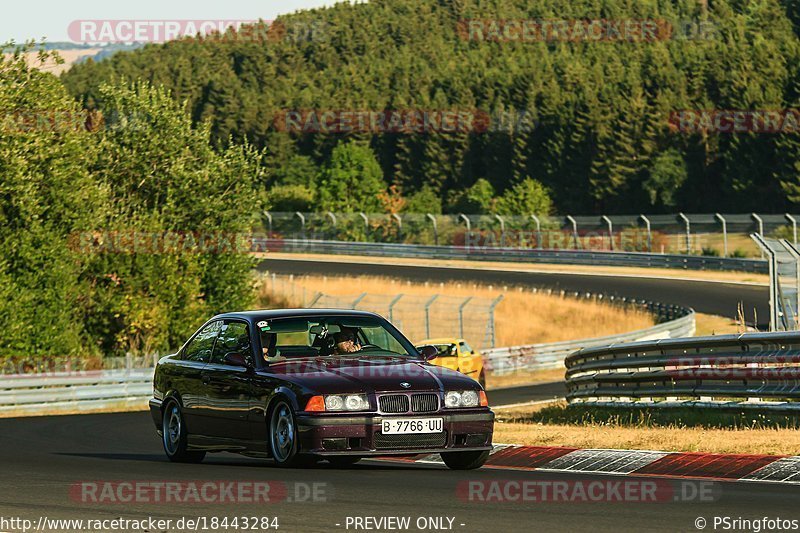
(441, 340)
(268, 314)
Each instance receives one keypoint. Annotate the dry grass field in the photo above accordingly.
(523, 317)
(69, 57)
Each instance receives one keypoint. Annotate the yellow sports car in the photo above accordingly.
(456, 354)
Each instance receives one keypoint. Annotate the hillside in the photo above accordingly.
(602, 140)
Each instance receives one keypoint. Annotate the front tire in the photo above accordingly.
(464, 460)
(174, 436)
(283, 436)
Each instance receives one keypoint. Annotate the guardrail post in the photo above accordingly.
(391, 307)
(724, 234)
(610, 231)
(574, 230)
(649, 236)
(428, 316)
(492, 307)
(435, 228)
(688, 233)
(760, 229)
(791, 219)
(268, 216)
(461, 316)
(538, 231)
(502, 230)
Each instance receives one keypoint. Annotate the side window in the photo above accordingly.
(234, 337)
(199, 349)
(465, 348)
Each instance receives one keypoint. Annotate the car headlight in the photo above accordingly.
(467, 398)
(452, 399)
(350, 402)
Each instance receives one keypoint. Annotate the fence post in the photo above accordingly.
(391, 307)
(358, 300)
(538, 231)
(302, 218)
(399, 224)
(649, 235)
(461, 316)
(366, 220)
(796, 256)
(332, 217)
(268, 216)
(760, 228)
(574, 230)
(491, 317)
(428, 316)
(791, 219)
(724, 234)
(610, 231)
(502, 230)
(313, 302)
(688, 233)
(435, 228)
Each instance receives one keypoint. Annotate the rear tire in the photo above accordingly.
(174, 436)
(464, 460)
(343, 461)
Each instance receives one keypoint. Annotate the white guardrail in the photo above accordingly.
(98, 390)
(552, 355)
(93, 390)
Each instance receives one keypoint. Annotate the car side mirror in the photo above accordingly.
(428, 352)
(236, 359)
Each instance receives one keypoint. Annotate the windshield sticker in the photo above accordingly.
(263, 325)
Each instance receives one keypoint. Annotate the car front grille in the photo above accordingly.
(400, 403)
(424, 403)
(394, 403)
(401, 442)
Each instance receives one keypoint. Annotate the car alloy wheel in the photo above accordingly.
(174, 436)
(283, 435)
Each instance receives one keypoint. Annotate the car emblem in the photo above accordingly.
(405, 385)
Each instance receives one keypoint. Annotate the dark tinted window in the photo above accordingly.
(234, 337)
(199, 349)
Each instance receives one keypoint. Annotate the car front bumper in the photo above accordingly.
(343, 434)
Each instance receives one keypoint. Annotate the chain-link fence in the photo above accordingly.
(710, 234)
(419, 317)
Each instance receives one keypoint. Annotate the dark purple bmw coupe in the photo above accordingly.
(311, 384)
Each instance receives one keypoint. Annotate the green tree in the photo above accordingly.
(528, 197)
(477, 199)
(666, 177)
(425, 200)
(351, 180)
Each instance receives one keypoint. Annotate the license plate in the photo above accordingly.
(402, 426)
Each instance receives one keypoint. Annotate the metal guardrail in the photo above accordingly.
(752, 370)
(502, 361)
(91, 390)
(521, 255)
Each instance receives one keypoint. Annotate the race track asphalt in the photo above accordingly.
(703, 296)
(44, 458)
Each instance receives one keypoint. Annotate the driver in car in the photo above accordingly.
(346, 342)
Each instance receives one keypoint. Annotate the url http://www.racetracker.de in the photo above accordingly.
(199, 523)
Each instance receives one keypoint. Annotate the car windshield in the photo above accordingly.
(331, 335)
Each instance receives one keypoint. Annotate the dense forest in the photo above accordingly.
(588, 120)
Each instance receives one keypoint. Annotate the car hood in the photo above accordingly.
(330, 375)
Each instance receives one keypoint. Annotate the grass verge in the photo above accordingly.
(680, 430)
